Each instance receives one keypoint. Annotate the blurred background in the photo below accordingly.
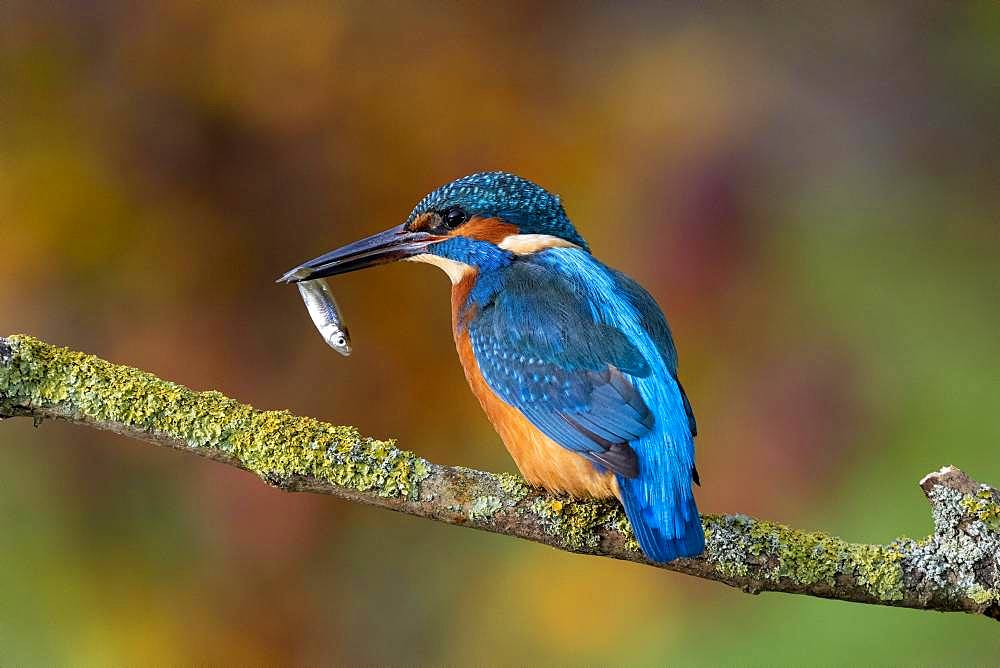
(812, 194)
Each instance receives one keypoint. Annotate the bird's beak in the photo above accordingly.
(394, 244)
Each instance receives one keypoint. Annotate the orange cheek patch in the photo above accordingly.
(493, 230)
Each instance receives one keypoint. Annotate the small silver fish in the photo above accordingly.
(325, 315)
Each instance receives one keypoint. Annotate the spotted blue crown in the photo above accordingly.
(518, 201)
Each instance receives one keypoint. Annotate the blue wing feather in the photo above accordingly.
(655, 324)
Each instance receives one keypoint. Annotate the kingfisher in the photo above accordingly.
(572, 361)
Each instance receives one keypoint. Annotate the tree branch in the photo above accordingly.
(956, 568)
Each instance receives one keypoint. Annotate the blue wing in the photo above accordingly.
(655, 324)
(540, 350)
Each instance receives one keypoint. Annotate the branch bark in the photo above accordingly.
(956, 568)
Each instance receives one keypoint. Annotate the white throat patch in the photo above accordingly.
(456, 270)
(526, 244)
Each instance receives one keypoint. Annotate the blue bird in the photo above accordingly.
(572, 361)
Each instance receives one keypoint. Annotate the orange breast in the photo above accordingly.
(542, 461)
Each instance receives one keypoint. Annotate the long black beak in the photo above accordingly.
(394, 244)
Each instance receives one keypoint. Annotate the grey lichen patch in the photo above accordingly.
(742, 547)
(484, 507)
(963, 554)
(728, 544)
(273, 444)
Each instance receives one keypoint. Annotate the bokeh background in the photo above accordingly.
(811, 193)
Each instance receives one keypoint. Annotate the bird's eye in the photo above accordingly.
(454, 216)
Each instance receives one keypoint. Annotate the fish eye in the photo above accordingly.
(454, 216)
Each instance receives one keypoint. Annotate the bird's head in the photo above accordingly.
(471, 223)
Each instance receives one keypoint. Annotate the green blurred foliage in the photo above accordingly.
(811, 192)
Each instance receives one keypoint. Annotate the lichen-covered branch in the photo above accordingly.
(956, 568)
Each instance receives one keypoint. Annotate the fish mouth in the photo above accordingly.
(341, 342)
(397, 243)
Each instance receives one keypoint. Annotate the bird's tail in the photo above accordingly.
(666, 527)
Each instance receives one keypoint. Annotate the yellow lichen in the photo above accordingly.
(983, 596)
(578, 524)
(272, 444)
(983, 506)
(514, 487)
